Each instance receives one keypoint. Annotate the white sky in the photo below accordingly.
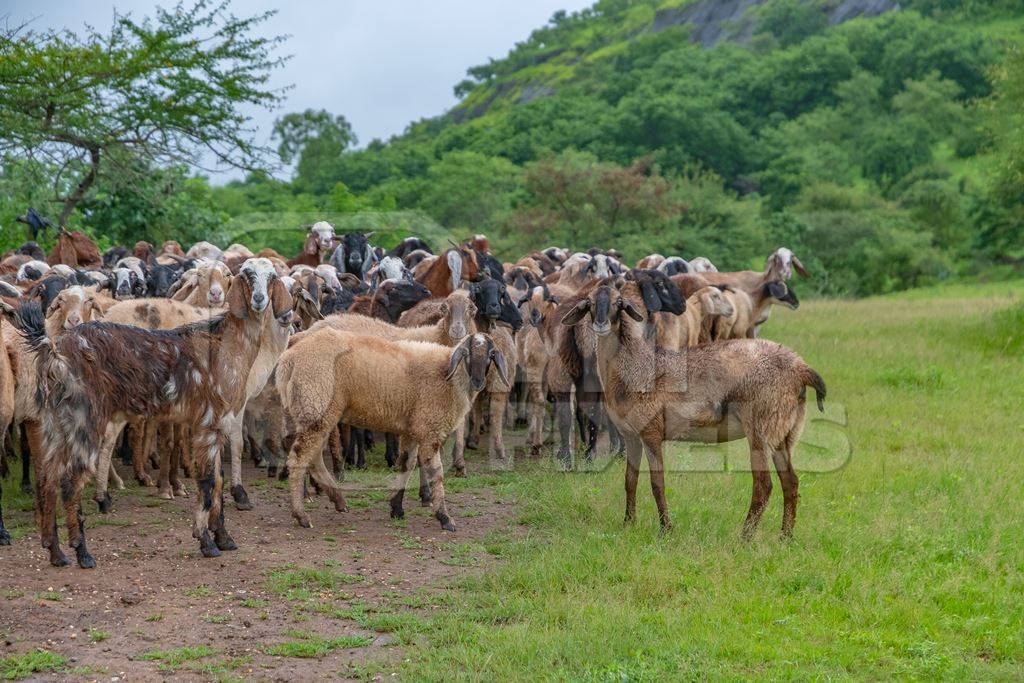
(383, 63)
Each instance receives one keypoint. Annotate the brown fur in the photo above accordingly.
(438, 276)
(97, 374)
(712, 393)
(75, 249)
(417, 390)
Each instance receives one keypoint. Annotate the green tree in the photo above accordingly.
(166, 90)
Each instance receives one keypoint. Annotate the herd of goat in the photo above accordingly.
(181, 360)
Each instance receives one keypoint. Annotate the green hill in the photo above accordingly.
(857, 132)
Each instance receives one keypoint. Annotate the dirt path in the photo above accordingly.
(353, 590)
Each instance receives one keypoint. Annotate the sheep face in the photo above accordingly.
(401, 295)
(605, 306)
(536, 304)
(478, 353)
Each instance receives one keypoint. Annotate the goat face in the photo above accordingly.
(605, 305)
(33, 250)
(658, 292)
(47, 289)
(354, 255)
(782, 262)
(478, 353)
(714, 302)
(160, 280)
(257, 275)
(127, 284)
(70, 308)
(674, 265)
(403, 295)
(783, 293)
(321, 238)
(460, 311)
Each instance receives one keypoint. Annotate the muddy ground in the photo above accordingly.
(343, 599)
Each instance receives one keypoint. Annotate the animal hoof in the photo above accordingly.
(459, 472)
(223, 541)
(241, 498)
(181, 491)
(26, 487)
(282, 474)
(145, 480)
(207, 547)
(105, 503)
(86, 561)
(5, 538)
(58, 559)
(305, 523)
(446, 522)
(666, 528)
(166, 493)
(271, 471)
(397, 512)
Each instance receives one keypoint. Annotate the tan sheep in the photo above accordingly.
(417, 390)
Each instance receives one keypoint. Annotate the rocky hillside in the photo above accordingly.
(556, 54)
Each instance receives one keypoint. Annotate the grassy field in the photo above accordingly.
(906, 562)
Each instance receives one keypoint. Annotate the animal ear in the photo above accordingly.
(370, 234)
(629, 309)
(577, 313)
(238, 297)
(443, 308)
(523, 299)
(800, 267)
(454, 259)
(8, 311)
(280, 299)
(310, 247)
(499, 362)
(460, 354)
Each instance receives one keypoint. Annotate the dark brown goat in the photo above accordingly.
(96, 374)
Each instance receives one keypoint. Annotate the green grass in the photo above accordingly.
(98, 636)
(299, 583)
(177, 658)
(308, 645)
(16, 667)
(907, 561)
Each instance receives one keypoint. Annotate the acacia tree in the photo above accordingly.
(167, 90)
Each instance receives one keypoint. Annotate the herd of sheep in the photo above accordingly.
(185, 360)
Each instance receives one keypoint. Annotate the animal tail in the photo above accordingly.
(814, 380)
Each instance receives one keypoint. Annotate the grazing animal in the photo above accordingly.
(711, 394)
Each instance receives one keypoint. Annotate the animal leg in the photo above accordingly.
(459, 450)
(105, 466)
(783, 458)
(563, 415)
(206, 445)
(233, 426)
(390, 449)
(430, 463)
(634, 453)
(307, 446)
(71, 490)
(405, 464)
(656, 460)
(138, 441)
(496, 445)
(47, 492)
(26, 457)
(323, 477)
(762, 488)
(5, 538)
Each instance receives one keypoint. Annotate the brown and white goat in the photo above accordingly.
(98, 373)
(712, 393)
(317, 247)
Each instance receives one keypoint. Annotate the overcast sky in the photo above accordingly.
(381, 63)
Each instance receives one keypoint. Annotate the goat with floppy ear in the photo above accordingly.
(748, 388)
(354, 254)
